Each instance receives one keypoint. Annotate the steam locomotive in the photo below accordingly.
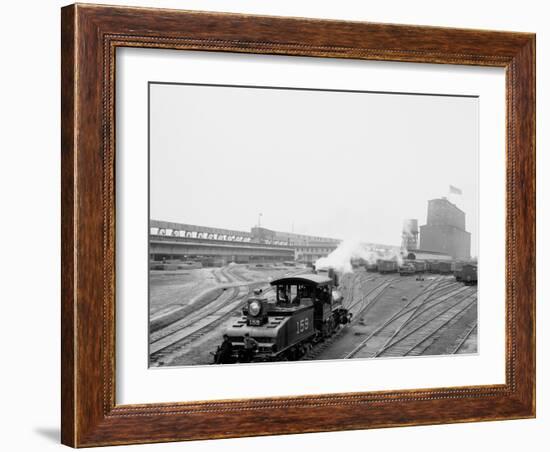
(306, 310)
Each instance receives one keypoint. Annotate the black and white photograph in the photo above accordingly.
(291, 224)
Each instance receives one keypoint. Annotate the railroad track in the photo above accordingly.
(436, 293)
(358, 281)
(460, 345)
(180, 317)
(365, 303)
(349, 285)
(221, 276)
(163, 350)
(216, 274)
(409, 343)
(320, 347)
(232, 273)
(189, 318)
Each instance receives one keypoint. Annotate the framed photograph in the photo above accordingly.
(281, 225)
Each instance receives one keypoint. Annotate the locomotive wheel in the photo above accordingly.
(331, 327)
(293, 354)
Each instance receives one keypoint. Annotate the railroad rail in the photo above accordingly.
(459, 346)
(167, 346)
(437, 293)
(405, 345)
(320, 347)
(170, 339)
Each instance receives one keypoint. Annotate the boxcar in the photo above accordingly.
(372, 267)
(446, 267)
(432, 266)
(387, 266)
(419, 266)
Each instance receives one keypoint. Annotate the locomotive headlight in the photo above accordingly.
(254, 308)
(337, 296)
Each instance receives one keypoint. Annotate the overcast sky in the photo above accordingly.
(335, 164)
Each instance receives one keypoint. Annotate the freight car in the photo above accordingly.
(372, 267)
(306, 310)
(387, 266)
(446, 267)
(458, 271)
(357, 262)
(419, 266)
(432, 266)
(469, 274)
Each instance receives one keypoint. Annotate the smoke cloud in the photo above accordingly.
(348, 250)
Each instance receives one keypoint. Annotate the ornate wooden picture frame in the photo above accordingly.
(90, 37)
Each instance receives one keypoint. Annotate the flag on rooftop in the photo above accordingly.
(454, 191)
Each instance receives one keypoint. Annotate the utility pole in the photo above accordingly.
(260, 220)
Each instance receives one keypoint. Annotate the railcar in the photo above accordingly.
(358, 262)
(446, 267)
(458, 271)
(433, 266)
(469, 274)
(387, 266)
(306, 310)
(406, 269)
(419, 266)
(371, 267)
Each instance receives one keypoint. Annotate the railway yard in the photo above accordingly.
(393, 315)
(189, 309)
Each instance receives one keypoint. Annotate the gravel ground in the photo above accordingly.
(178, 288)
(450, 339)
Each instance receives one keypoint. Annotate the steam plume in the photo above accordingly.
(340, 259)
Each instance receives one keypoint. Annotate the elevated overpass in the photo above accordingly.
(169, 240)
(217, 246)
